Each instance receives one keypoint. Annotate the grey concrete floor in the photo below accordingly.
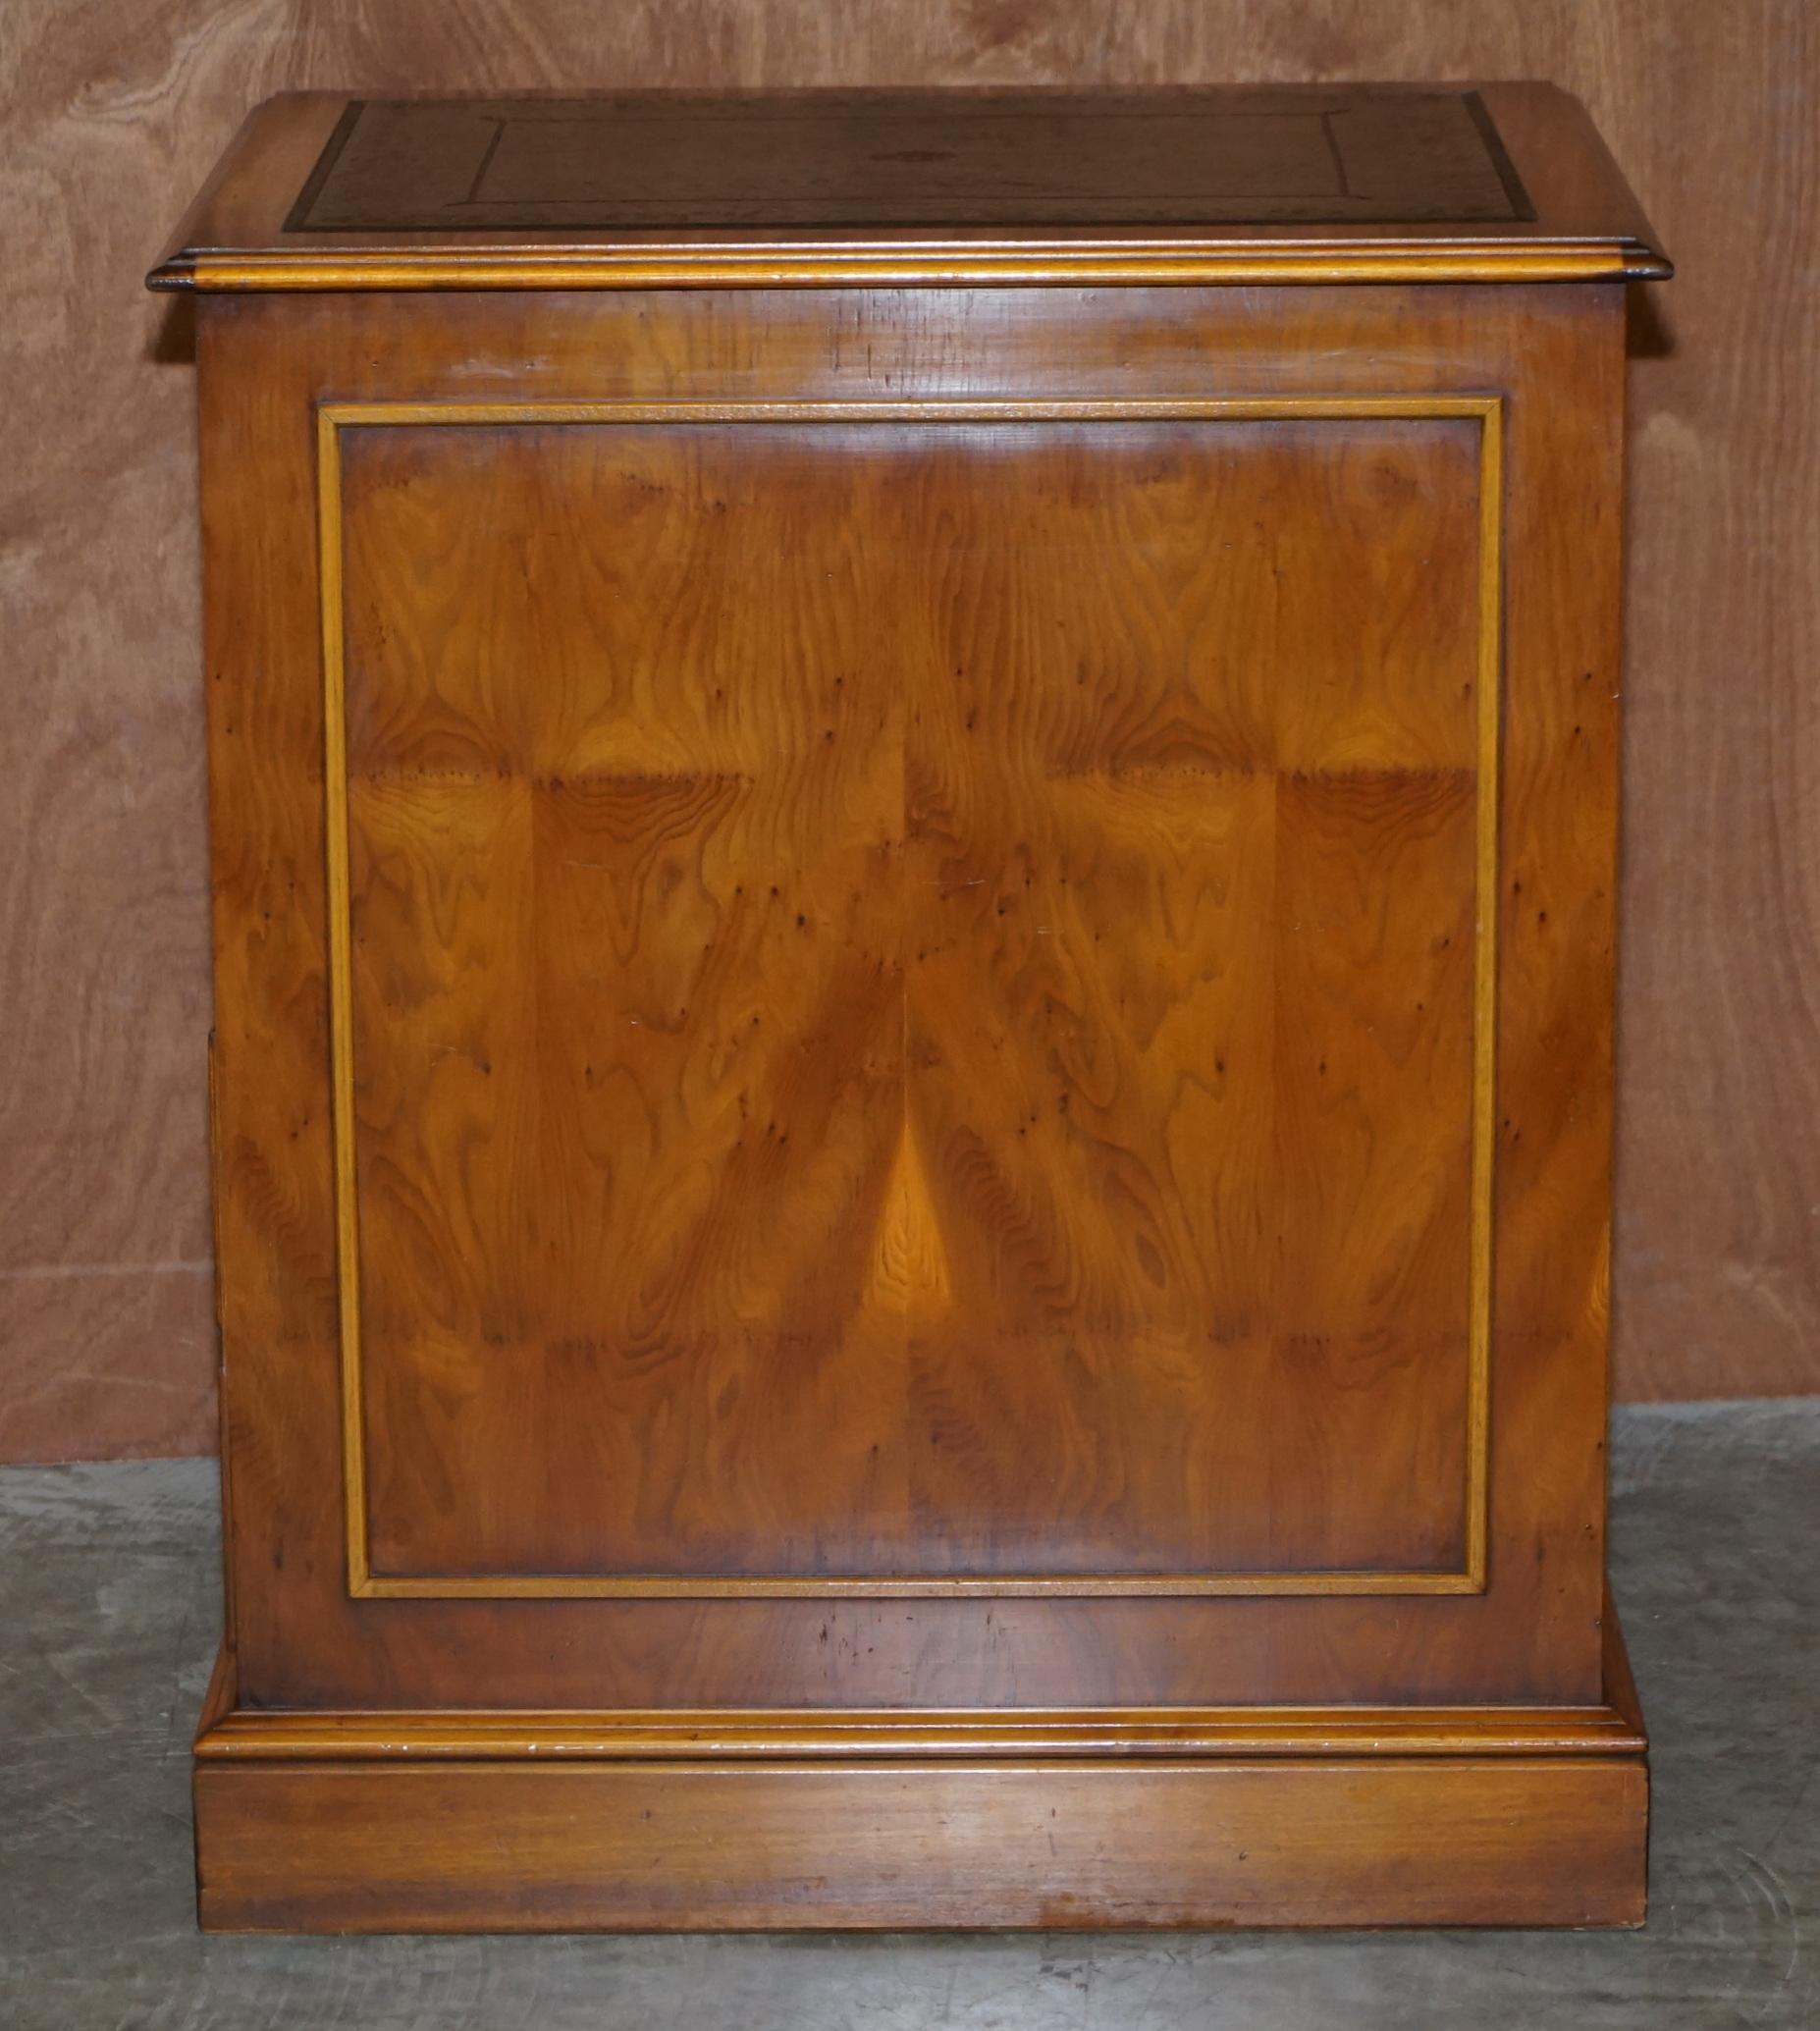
(108, 1603)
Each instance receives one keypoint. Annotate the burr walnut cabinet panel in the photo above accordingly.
(914, 804)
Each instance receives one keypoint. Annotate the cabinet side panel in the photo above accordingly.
(1555, 357)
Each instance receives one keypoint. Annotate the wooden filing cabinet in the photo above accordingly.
(913, 810)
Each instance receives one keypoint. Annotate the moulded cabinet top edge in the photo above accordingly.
(1241, 184)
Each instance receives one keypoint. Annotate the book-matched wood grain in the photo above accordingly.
(1029, 1057)
(475, 809)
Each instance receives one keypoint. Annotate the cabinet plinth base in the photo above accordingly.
(619, 1822)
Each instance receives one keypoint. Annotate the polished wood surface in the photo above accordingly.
(1396, 1841)
(261, 1735)
(1354, 1816)
(1003, 1106)
(1366, 184)
(913, 1032)
(114, 116)
(1531, 1633)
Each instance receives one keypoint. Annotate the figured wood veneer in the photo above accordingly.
(261, 359)
(1246, 778)
(912, 1071)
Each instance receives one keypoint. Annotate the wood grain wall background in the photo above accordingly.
(114, 110)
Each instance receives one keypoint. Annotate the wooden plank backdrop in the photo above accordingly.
(113, 113)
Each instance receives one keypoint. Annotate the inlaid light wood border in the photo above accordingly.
(362, 1582)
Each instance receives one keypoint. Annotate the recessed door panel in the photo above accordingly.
(912, 1005)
